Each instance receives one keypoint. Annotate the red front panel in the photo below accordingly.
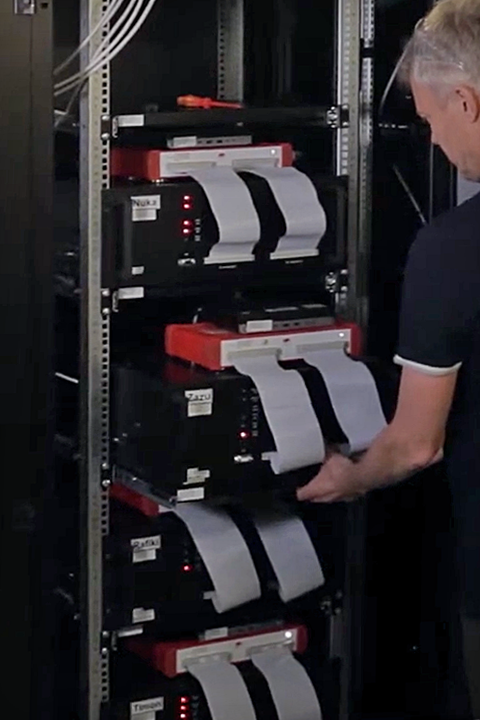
(144, 163)
(135, 163)
(162, 656)
(201, 343)
(135, 500)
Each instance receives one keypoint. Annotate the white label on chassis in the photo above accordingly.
(146, 709)
(195, 476)
(200, 402)
(143, 615)
(145, 207)
(144, 549)
(188, 495)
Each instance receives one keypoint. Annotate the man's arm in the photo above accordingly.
(413, 440)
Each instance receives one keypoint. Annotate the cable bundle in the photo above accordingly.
(119, 27)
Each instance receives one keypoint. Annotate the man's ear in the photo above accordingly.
(469, 99)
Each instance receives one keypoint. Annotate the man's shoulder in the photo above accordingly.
(452, 238)
(462, 221)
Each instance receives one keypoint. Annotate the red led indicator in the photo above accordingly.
(186, 231)
(188, 223)
(184, 700)
(183, 716)
(244, 435)
(187, 206)
(187, 568)
(187, 198)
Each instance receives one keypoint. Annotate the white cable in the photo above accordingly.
(114, 51)
(115, 48)
(389, 85)
(410, 194)
(120, 28)
(115, 33)
(62, 116)
(113, 8)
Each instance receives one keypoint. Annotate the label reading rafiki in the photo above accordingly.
(200, 402)
(145, 207)
(144, 549)
(146, 709)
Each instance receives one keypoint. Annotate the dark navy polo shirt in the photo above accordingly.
(440, 333)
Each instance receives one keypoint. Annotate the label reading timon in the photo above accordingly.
(146, 709)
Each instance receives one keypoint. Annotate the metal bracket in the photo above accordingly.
(230, 50)
(105, 127)
(338, 116)
(336, 283)
(25, 7)
(332, 608)
(114, 129)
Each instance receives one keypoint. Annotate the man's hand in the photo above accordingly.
(413, 441)
(336, 481)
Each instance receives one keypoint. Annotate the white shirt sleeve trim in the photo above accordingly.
(427, 369)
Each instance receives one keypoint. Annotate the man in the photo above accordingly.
(438, 409)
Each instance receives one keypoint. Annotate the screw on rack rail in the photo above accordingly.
(106, 301)
(343, 280)
(344, 116)
(105, 127)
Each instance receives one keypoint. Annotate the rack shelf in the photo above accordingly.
(323, 117)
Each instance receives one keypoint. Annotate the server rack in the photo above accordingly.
(354, 88)
(26, 378)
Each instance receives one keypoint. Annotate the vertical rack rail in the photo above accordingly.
(365, 159)
(354, 83)
(348, 47)
(94, 360)
(230, 49)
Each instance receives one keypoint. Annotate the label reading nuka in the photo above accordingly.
(144, 549)
(145, 207)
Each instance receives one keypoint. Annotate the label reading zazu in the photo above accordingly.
(200, 402)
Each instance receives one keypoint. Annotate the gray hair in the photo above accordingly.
(445, 47)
